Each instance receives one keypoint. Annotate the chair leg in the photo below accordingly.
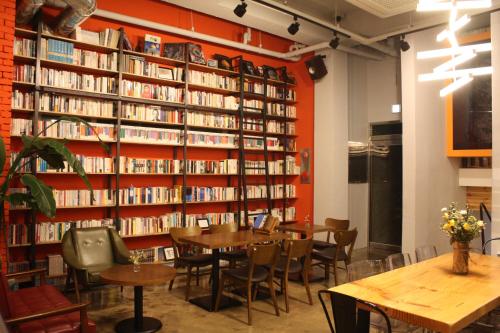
(198, 276)
(284, 290)
(305, 278)
(273, 294)
(77, 288)
(335, 273)
(249, 303)
(188, 282)
(171, 284)
(327, 272)
(219, 293)
(255, 291)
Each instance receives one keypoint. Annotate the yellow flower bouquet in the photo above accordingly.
(460, 224)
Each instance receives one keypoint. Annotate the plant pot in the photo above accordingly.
(460, 257)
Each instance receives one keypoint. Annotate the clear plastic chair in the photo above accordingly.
(425, 252)
(397, 260)
(362, 269)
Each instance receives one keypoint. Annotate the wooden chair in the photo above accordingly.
(253, 274)
(232, 255)
(336, 225)
(187, 256)
(331, 255)
(347, 316)
(296, 261)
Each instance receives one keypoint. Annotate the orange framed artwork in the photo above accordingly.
(468, 111)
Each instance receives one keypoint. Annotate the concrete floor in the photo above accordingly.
(109, 305)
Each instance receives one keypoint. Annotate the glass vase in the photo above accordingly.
(137, 267)
(460, 257)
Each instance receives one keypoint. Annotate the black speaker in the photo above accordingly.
(316, 67)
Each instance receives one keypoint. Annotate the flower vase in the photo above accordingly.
(137, 267)
(460, 257)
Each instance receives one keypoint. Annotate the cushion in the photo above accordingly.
(28, 301)
(234, 255)
(295, 266)
(321, 245)
(199, 260)
(259, 273)
(328, 254)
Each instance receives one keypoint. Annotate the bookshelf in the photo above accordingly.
(200, 112)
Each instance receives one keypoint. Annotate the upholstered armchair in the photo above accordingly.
(89, 251)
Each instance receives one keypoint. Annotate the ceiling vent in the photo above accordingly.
(385, 8)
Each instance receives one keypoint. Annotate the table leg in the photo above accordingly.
(215, 277)
(138, 324)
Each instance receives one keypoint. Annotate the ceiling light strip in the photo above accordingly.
(455, 85)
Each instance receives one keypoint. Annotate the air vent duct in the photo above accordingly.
(385, 8)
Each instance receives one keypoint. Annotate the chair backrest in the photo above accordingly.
(222, 228)
(263, 255)
(92, 246)
(298, 248)
(345, 238)
(348, 317)
(362, 269)
(180, 248)
(397, 260)
(425, 252)
(4, 299)
(336, 225)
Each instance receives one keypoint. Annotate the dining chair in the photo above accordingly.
(297, 260)
(235, 255)
(347, 316)
(397, 260)
(187, 256)
(252, 275)
(331, 255)
(335, 225)
(425, 252)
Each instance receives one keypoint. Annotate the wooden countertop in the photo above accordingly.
(150, 274)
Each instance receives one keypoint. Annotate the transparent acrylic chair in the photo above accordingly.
(425, 252)
(397, 260)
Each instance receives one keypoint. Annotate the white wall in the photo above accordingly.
(330, 140)
(495, 58)
(430, 179)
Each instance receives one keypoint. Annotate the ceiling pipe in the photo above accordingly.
(292, 56)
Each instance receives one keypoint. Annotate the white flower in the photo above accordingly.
(444, 209)
(463, 212)
(480, 224)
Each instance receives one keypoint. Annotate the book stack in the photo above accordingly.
(136, 226)
(46, 232)
(107, 37)
(212, 139)
(201, 167)
(252, 87)
(24, 47)
(76, 105)
(57, 50)
(70, 80)
(17, 234)
(203, 98)
(255, 142)
(277, 109)
(204, 194)
(140, 66)
(279, 93)
(150, 195)
(24, 73)
(78, 198)
(156, 113)
(22, 100)
(213, 218)
(260, 192)
(149, 166)
(212, 80)
(152, 91)
(253, 104)
(275, 167)
(89, 163)
(21, 126)
(253, 124)
(135, 134)
(72, 130)
(211, 120)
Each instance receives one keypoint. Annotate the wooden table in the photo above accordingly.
(149, 274)
(429, 295)
(304, 229)
(215, 242)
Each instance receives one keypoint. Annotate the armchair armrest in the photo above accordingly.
(39, 271)
(67, 309)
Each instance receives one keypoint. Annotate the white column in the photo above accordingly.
(495, 58)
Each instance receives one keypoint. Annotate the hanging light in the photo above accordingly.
(403, 44)
(241, 9)
(294, 27)
(335, 42)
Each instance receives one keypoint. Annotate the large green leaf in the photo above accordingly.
(2, 155)
(42, 195)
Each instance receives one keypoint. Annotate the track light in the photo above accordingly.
(334, 43)
(294, 27)
(241, 9)
(403, 44)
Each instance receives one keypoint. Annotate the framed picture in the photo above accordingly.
(196, 54)
(169, 253)
(212, 63)
(174, 51)
(287, 77)
(270, 73)
(203, 223)
(259, 70)
(223, 61)
(248, 67)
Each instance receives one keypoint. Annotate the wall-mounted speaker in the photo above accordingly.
(316, 67)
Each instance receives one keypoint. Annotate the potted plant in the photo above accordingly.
(462, 227)
(39, 196)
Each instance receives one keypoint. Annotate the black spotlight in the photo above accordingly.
(294, 27)
(241, 9)
(403, 44)
(334, 43)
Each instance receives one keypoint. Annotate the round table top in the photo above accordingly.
(150, 274)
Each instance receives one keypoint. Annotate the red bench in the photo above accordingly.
(42, 309)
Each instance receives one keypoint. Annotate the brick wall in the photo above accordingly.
(7, 19)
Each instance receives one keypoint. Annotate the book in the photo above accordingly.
(268, 225)
(174, 51)
(152, 44)
(196, 54)
(259, 221)
(55, 264)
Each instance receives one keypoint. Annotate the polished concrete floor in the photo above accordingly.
(109, 305)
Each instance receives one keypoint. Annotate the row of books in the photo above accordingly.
(152, 91)
(46, 232)
(62, 51)
(150, 195)
(278, 212)
(204, 194)
(212, 80)
(76, 105)
(76, 198)
(136, 134)
(108, 37)
(252, 87)
(140, 66)
(203, 98)
(211, 120)
(275, 167)
(73, 130)
(71, 80)
(22, 100)
(138, 165)
(91, 164)
(24, 73)
(24, 47)
(280, 93)
(273, 126)
(277, 109)
(260, 191)
(252, 105)
(56, 273)
(212, 139)
(156, 113)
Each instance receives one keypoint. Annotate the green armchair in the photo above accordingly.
(89, 251)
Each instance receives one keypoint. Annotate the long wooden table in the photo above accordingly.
(215, 242)
(304, 229)
(429, 295)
